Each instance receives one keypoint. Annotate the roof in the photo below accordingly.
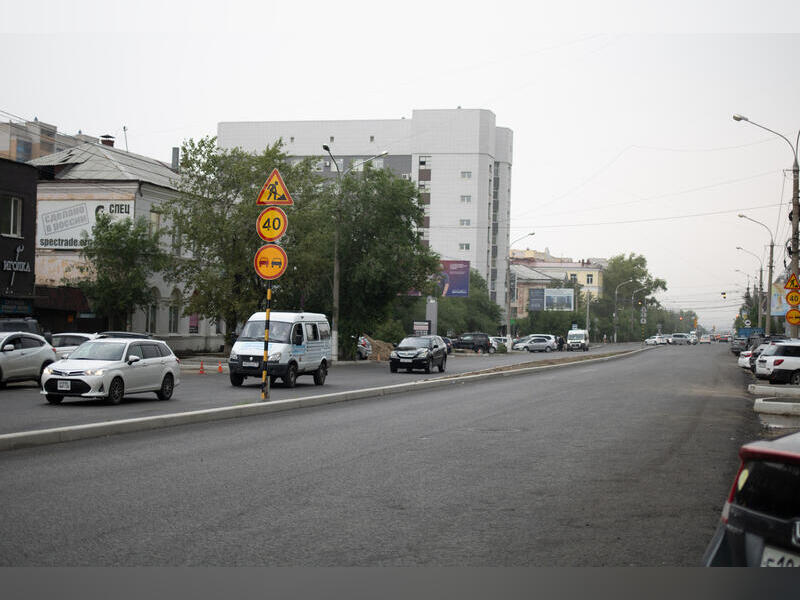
(525, 273)
(98, 162)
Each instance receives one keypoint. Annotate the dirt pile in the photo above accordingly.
(380, 350)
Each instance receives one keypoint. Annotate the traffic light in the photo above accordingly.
(681, 318)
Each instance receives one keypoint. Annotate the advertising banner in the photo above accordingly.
(535, 299)
(559, 299)
(779, 305)
(61, 223)
(454, 278)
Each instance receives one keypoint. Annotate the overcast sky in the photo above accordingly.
(621, 111)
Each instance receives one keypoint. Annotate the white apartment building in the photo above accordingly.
(459, 158)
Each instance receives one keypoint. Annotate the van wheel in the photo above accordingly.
(290, 379)
(321, 373)
(236, 379)
(795, 378)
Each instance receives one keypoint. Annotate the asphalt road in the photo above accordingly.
(620, 463)
(25, 409)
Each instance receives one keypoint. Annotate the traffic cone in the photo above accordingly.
(219, 368)
(201, 371)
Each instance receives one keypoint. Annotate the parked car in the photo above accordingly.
(419, 352)
(540, 344)
(124, 334)
(680, 339)
(705, 339)
(578, 339)
(363, 348)
(519, 343)
(28, 324)
(754, 354)
(110, 368)
(759, 523)
(780, 362)
(651, 341)
(64, 343)
(744, 359)
(24, 356)
(499, 339)
(738, 344)
(475, 341)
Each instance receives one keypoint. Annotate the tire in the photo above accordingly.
(321, 373)
(290, 379)
(116, 391)
(393, 368)
(794, 378)
(547, 349)
(54, 398)
(443, 364)
(491, 350)
(167, 387)
(529, 349)
(236, 379)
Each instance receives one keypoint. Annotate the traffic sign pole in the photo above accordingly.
(265, 368)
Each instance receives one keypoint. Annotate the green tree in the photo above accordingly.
(120, 255)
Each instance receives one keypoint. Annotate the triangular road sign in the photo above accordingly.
(274, 191)
(792, 284)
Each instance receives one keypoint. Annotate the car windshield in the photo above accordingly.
(414, 342)
(574, 335)
(99, 351)
(253, 331)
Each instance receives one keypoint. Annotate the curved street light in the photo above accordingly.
(508, 283)
(339, 177)
(768, 327)
(795, 215)
(632, 295)
(760, 285)
(615, 306)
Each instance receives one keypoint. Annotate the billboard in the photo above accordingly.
(454, 278)
(779, 307)
(559, 299)
(60, 223)
(535, 299)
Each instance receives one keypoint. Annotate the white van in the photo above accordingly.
(578, 339)
(299, 344)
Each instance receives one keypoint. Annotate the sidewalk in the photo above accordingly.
(777, 407)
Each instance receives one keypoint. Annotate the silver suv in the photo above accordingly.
(23, 356)
(680, 339)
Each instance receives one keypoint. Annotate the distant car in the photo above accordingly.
(680, 339)
(738, 344)
(654, 340)
(449, 343)
(110, 368)
(419, 352)
(363, 348)
(744, 359)
(759, 524)
(519, 343)
(540, 344)
(24, 357)
(29, 324)
(64, 343)
(692, 339)
(475, 341)
(498, 339)
(754, 354)
(705, 339)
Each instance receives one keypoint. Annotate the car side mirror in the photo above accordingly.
(133, 359)
(8, 348)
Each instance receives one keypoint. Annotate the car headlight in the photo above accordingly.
(393, 355)
(234, 356)
(48, 370)
(94, 372)
(422, 352)
(275, 357)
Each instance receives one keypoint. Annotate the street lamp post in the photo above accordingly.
(632, 295)
(339, 178)
(615, 306)
(795, 216)
(760, 285)
(768, 327)
(508, 284)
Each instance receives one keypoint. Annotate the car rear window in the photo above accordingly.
(150, 351)
(781, 350)
(164, 350)
(769, 487)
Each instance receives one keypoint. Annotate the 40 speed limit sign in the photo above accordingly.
(271, 224)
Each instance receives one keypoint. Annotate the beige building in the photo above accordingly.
(33, 139)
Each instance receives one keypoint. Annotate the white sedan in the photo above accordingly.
(110, 368)
(744, 359)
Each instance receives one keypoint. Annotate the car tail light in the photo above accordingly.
(777, 362)
(746, 354)
(726, 509)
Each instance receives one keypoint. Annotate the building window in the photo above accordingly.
(291, 140)
(372, 138)
(589, 278)
(464, 222)
(218, 325)
(463, 246)
(573, 278)
(151, 314)
(155, 222)
(331, 139)
(466, 174)
(11, 216)
(424, 160)
(466, 199)
(176, 241)
(174, 312)
(24, 151)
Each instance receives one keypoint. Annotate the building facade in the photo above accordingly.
(459, 158)
(77, 184)
(22, 142)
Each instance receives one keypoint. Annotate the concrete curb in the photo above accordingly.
(770, 407)
(25, 439)
(774, 391)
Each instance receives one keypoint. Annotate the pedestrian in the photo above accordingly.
(560, 343)
(605, 339)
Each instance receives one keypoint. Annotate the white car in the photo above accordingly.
(110, 368)
(24, 356)
(65, 343)
(744, 359)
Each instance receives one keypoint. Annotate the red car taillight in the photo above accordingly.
(727, 507)
(777, 362)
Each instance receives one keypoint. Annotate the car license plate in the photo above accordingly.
(405, 360)
(249, 364)
(64, 385)
(774, 557)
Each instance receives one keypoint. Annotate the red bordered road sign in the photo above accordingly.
(792, 284)
(793, 298)
(274, 191)
(793, 316)
(270, 261)
(271, 224)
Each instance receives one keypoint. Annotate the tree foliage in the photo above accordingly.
(120, 255)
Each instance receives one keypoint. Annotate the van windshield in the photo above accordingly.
(577, 335)
(253, 331)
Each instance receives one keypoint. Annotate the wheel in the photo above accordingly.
(321, 373)
(167, 387)
(236, 379)
(443, 365)
(428, 366)
(116, 391)
(586, 349)
(491, 350)
(290, 379)
(41, 372)
(478, 349)
(54, 398)
(393, 368)
(547, 348)
(795, 378)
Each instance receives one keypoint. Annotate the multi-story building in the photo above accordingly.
(459, 158)
(77, 184)
(25, 141)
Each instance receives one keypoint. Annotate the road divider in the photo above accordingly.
(42, 437)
